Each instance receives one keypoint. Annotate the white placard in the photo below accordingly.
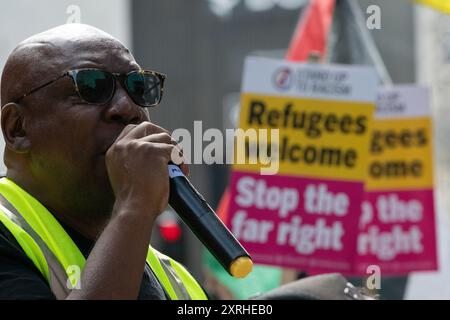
(307, 80)
(402, 101)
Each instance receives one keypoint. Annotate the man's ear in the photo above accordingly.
(13, 127)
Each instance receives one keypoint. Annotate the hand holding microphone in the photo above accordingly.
(140, 171)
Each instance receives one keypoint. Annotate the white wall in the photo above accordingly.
(20, 19)
(432, 30)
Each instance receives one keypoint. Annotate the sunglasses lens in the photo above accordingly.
(95, 86)
(144, 88)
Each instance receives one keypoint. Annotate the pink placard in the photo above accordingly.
(397, 232)
(301, 223)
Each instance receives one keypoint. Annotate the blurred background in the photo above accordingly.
(201, 45)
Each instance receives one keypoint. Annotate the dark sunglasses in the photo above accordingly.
(95, 86)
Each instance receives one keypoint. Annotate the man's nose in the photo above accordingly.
(122, 109)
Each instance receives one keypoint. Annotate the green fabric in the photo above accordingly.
(261, 279)
(63, 247)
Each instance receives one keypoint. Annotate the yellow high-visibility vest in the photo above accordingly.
(58, 258)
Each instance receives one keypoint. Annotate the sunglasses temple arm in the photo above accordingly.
(40, 87)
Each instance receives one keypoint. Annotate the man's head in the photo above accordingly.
(55, 141)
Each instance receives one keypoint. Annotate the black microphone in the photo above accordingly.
(206, 225)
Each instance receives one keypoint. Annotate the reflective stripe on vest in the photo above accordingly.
(55, 273)
(57, 257)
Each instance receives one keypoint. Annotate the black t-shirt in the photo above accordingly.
(20, 279)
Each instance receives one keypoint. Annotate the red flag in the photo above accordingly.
(222, 209)
(312, 30)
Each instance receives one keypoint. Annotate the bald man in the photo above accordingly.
(86, 172)
(87, 176)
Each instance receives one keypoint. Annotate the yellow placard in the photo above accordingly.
(317, 138)
(401, 155)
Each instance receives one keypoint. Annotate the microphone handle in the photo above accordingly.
(206, 225)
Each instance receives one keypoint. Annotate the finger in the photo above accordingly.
(168, 150)
(178, 158)
(143, 129)
(185, 168)
(165, 138)
(125, 131)
(162, 137)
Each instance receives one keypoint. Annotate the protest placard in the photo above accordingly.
(397, 224)
(301, 211)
